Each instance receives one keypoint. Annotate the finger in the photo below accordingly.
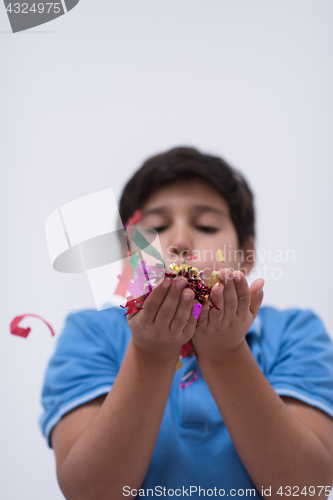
(154, 300)
(243, 293)
(183, 311)
(203, 317)
(257, 294)
(190, 326)
(129, 316)
(230, 294)
(217, 297)
(170, 303)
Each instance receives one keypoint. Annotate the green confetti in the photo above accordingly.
(134, 261)
(144, 245)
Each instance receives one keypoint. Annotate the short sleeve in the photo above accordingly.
(303, 368)
(84, 366)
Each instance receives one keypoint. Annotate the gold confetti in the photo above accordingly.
(189, 266)
(220, 255)
(179, 364)
(215, 278)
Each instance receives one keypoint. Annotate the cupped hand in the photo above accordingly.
(165, 321)
(219, 331)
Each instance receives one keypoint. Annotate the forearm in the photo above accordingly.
(273, 444)
(116, 448)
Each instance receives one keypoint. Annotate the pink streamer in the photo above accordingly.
(24, 332)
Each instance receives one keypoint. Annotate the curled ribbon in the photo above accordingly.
(24, 332)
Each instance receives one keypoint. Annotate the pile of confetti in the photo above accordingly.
(195, 280)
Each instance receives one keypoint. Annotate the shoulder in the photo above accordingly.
(93, 316)
(88, 327)
(85, 362)
(283, 317)
(293, 333)
(291, 320)
(294, 337)
(298, 355)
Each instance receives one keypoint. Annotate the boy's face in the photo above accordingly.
(191, 215)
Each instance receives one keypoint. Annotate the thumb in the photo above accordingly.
(257, 294)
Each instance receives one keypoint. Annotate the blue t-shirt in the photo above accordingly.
(193, 449)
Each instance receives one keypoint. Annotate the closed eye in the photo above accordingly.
(204, 229)
(207, 229)
(159, 229)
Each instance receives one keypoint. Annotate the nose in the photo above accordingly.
(180, 243)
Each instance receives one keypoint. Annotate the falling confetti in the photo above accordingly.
(220, 255)
(24, 332)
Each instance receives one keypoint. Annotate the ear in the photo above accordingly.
(249, 253)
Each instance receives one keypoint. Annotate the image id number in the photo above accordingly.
(296, 491)
(36, 8)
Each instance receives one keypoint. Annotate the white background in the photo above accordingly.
(86, 98)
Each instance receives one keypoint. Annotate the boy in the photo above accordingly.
(256, 417)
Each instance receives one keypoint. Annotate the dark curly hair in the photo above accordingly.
(184, 163)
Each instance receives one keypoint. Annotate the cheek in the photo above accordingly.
(207, 254)
(228, 244)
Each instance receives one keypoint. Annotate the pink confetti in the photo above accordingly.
(189, 382)
(125, 278)
(196, 310)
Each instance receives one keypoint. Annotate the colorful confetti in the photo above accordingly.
(194, 281)
(182, 385)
